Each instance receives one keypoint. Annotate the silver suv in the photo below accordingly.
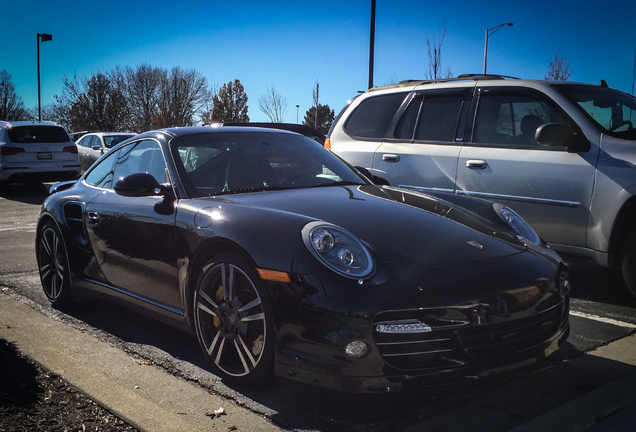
(561, 154)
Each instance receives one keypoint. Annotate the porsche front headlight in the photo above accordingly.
(338, 250)
(518, 224)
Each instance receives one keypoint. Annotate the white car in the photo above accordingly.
(93, 145)
(36, 152)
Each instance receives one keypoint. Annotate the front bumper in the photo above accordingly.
(459, 337)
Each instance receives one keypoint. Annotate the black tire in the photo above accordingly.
(233, 321)
(53, 265)
(628, 261)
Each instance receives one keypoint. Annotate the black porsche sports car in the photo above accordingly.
(284, 260)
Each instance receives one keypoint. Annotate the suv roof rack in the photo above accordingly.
(463, 77)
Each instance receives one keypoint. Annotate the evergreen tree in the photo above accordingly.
(230, 105)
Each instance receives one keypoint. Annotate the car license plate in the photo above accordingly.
(45, 155)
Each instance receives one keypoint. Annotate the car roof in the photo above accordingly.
(472, 79)
(109, 133)
(10, 124)
(191, 130)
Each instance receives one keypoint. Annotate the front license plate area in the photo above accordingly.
(45, 156)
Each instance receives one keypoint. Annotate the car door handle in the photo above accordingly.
(476, 164)
(93, 218)
(392, 158)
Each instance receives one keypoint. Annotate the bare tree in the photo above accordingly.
(92, 104)
(11, 105)
(183, 95)
(230, 105)
(434, 51)
(558, 68)
(141, 88)
(273, 105)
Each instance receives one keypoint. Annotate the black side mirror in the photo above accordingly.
(139, 185)
(562, 135)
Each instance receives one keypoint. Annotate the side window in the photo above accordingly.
(406, 125)
(431, 117)
(373, 116)
(512, 117)
(101, 174)
(94, 142)
(141, 157)
(84, 141)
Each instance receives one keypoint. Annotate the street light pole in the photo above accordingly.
(297, 106)
(44, 37)
(372, 44)
(490, 32)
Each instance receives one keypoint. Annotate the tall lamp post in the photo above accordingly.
(297, 106)
(43, 37)
(372, 43)
(490, 32)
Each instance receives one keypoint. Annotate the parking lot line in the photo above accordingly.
(603, 319)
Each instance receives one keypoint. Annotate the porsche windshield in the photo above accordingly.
(613, 111)
(234, 162)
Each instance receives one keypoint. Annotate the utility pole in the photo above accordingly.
(316, 113)
(372, 44)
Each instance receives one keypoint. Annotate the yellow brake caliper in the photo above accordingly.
(219, 298)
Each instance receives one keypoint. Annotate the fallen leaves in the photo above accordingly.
(142, 361)
(216, 413)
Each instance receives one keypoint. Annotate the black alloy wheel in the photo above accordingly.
(233, 321)
(53, 265)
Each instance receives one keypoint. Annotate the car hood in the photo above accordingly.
(396, 222)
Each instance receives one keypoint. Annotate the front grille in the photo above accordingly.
(453, 343)
(495, 340)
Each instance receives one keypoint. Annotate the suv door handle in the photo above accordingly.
(476, 164)
(392, 158)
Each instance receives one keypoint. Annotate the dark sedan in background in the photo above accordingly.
(282, 259)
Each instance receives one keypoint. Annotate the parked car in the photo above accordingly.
(283, 259)
(93, 145)
(36, 152)
(561, 154)
(77, 135)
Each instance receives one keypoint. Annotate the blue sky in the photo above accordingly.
(291, 45)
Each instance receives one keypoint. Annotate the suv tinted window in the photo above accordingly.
(435, 115)
(511, 118)
(37, 134)
(373, 116)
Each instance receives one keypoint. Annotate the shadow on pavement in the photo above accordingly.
(289, 404)
(28, 193)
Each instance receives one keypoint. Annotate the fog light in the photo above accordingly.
(356, 349)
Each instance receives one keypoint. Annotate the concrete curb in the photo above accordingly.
(143, 395)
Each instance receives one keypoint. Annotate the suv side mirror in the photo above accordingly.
(561, 135)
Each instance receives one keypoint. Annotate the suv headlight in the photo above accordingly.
(518, 224)
(338, 250)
